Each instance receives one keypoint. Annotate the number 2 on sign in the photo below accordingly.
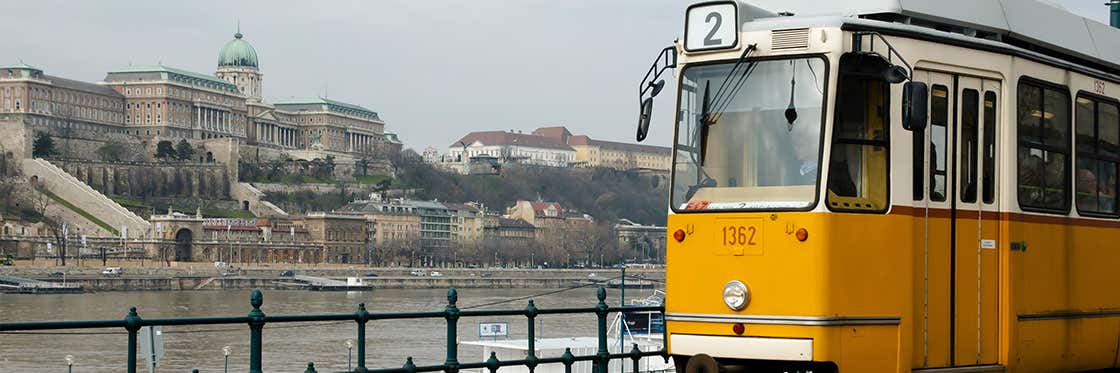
(739, 235)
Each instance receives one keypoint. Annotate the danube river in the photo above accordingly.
(287, 347)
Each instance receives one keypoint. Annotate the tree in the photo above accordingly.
(43, 146)
(164, 150)
(183, 150)
(361, 167)
(111, 151)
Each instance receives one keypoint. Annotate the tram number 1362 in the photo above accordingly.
(739, 235)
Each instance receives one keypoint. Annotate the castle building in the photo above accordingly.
(165, 103)
(557, 147)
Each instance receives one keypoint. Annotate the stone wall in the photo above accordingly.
(144, 179)
(73, 139)
(83, 196)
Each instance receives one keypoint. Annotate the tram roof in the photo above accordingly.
(1028, 21)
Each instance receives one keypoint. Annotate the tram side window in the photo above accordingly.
(990, 113)
(1043, 152)
(1097, 137)
(857, 179)
(938, 133)
(970, 135)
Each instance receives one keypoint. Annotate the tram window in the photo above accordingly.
(970, 135)
(1097, 158)
(939, 124)
(857, 177)
(990, 113)
(1043, 152)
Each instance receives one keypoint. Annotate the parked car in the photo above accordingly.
(370, 274)
(436, 274)
(56, 274)
(487, 274)
(287, 273)
(419, 272)
(112, 271)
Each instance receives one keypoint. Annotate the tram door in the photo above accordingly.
(956, 306)
(975, 224)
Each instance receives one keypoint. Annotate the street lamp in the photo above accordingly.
(226, 351)
(69, 363)
(349, 350)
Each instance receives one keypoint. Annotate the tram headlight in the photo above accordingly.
(736, 295)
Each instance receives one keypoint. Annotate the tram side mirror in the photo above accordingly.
(915, 95)
(643, 118)
(657, 87)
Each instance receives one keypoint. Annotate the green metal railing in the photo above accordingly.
(256, 320)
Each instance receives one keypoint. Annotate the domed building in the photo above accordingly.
(237, 64)
(160, 102)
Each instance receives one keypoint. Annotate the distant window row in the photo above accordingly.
(1044, 151)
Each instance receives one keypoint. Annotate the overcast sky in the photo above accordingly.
(434, 70)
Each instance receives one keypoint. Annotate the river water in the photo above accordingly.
(287, 347)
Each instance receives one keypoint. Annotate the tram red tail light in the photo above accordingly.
(738, 328)
(679, 235)
(802, 234)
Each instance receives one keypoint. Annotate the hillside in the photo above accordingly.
(601, 192)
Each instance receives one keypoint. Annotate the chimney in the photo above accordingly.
(1114, 10)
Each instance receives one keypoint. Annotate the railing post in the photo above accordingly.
(361, 317)
(452, 316)
(492, 363)
(256, 325)
(132, 324)
(636, 355)
(409, 367)
(531, 314)
(569, 359)
(603, 355)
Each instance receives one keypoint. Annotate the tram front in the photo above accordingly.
(779, 255)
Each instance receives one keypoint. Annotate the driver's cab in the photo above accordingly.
(754, 108)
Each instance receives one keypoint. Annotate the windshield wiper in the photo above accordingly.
(726, 91)
(728, 88)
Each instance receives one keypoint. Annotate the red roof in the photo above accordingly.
(507, 138)
(557, 132)
(539, 207)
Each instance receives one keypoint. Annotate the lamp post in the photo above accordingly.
(226, 351)
(349, 354)
(69, 363)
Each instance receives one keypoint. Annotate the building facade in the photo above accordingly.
(343, 237)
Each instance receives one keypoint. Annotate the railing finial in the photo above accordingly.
(601, 293)
(452, 296)
(256, 299)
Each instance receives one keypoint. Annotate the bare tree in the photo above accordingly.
(55, 229)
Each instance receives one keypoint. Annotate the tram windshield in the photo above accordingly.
(760, 144)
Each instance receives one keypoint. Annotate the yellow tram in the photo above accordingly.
(891, 186)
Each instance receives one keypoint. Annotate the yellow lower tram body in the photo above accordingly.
(915, 289)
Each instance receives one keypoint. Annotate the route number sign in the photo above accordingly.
(711, 26)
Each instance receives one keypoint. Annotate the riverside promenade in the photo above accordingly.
(204, 276)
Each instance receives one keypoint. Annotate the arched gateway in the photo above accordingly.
(183, 245)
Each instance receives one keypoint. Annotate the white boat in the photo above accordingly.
(646, 329)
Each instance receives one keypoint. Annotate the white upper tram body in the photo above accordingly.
(996, 42)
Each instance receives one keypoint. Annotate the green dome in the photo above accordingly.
(237, 52)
